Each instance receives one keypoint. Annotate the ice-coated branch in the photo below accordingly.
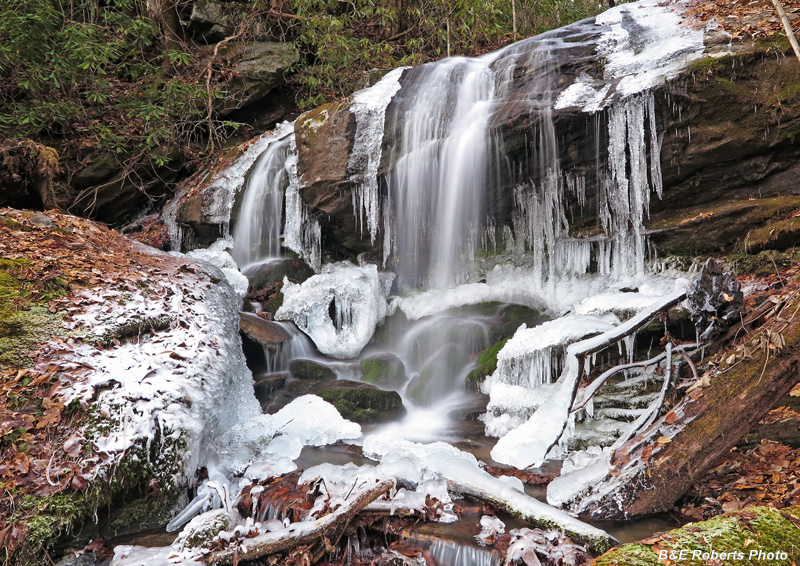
(590, 390)
(528, 444)
(329, 527)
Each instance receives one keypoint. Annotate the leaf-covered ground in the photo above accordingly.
(48, 261)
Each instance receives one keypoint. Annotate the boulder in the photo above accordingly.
(273, 272)
(265, 332)
(257, 67)
(361, 402)
(208, 21)
(384, 370)
(309, 369)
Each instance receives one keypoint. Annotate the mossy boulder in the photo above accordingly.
(309, 369)
(745, 538)
(361, 402)
(484, 367)
(778, 235)
(384, 370)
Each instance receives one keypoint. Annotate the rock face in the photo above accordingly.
(259, 67)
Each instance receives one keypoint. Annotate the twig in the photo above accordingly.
(788, 27)
(210, 99)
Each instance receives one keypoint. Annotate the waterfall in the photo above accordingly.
(257, 233)
(437, 184)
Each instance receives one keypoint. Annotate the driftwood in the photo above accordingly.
(329, 529)
(535, 512)
(651, 471)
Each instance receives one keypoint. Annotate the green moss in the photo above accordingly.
(751, 531)
(381, 370)
(309, 369)
(364, 405)
(763, 263)
(24, 323)
(485, 366)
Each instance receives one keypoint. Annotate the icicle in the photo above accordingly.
(369, 108)
(302, 233)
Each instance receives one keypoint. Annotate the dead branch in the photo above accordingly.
(595, 385)
(329, 528)
(538, 513)
(788, 27)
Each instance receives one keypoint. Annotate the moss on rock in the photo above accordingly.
(384, 370)
(485, 366)
(361, 402)
(745, 538)
(24, 323)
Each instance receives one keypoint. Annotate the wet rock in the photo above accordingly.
(261, 330)
(309, 369)
(715, 298)
(361, 402)
(324, 171)
(472, 410)
(266, 385)
(268, 274)
(384, 370)
(262, 341)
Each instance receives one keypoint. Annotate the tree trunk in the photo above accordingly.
(650, 472)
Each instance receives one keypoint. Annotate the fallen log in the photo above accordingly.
(535, 512)
(328, 528)
(650, 472)
(754, 536)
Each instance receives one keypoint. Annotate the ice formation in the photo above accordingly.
(217, 255)
(338, 308)
(531, 357)
(646, 43)
(528, 444)
(369, 108)
(301, 232)
(186, 383)
(462, 471)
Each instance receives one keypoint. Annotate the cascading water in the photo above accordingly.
(257, 233)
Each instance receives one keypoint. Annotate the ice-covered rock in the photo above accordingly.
(217, 255)
(339, 308)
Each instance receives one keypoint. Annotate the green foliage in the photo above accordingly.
(347, 45)
(94, 72)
